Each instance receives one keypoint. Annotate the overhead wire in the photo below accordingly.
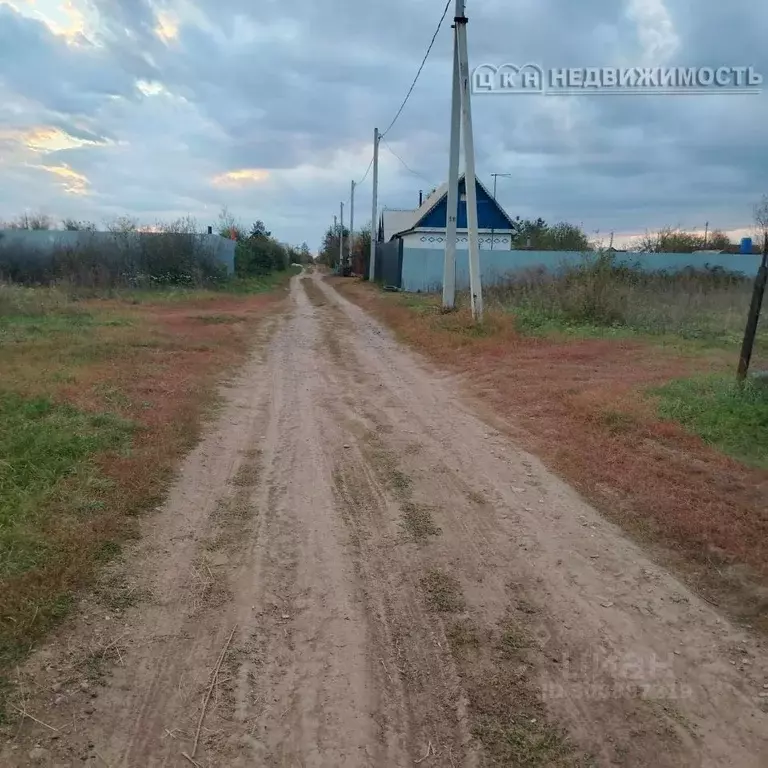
(405, 165)
(418, 74)
(408, 95)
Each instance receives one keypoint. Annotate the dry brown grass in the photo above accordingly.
(581, 406)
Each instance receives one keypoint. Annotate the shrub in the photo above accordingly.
(600, 291)
(119, 258)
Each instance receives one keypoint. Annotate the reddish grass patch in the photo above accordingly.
(158, 367)
(581, 407)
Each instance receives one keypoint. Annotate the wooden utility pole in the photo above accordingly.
(753, 319)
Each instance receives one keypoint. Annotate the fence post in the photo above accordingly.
(753, 318)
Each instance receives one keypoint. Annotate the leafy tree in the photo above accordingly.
(259, 253)
(361, 246)
(566, 237)
(329, 250)
(537, 234)
(671, 240)
(305, 255)
(259, 230)
(73, 225)
(718, 240)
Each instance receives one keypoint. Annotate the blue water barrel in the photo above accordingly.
(746, 245)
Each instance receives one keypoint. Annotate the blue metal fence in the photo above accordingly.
(422, 268)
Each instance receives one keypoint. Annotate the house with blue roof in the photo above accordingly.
(425, 227)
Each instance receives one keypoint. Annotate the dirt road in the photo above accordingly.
(386, 580)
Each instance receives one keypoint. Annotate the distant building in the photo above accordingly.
(425, 226)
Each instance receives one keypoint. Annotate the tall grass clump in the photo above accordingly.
(600, 292)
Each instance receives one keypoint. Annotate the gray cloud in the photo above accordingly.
(295, 88)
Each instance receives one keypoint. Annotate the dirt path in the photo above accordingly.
(401, 585)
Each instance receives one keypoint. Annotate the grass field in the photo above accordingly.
(632, 400)
(99, 399)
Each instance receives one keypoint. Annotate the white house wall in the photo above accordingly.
(436, 240)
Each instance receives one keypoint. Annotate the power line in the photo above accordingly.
(365, 175)
(405, 101)
(424, 61)
(405, 165)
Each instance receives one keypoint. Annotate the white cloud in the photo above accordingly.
(655, 30)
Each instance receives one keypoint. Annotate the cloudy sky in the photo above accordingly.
(162, 109)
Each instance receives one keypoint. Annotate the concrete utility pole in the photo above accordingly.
(475, 283)
(375, 206)
(449, 266)
(351, 222)
(341, 238)
(335, 227)
(461, 63)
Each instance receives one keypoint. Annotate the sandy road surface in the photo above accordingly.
(401, 584)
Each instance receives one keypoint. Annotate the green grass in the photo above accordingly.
(261, 283)
(19, 304)
(698, 330)
(732, 418)
(236, 285)
(419, 302)
(71, 480)
(42, 444)
(525, 742)
(19, 301)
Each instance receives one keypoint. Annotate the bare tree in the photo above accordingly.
(671, 240)
(230, 226)
(32, 221)
(122, 225)
(761, 219)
